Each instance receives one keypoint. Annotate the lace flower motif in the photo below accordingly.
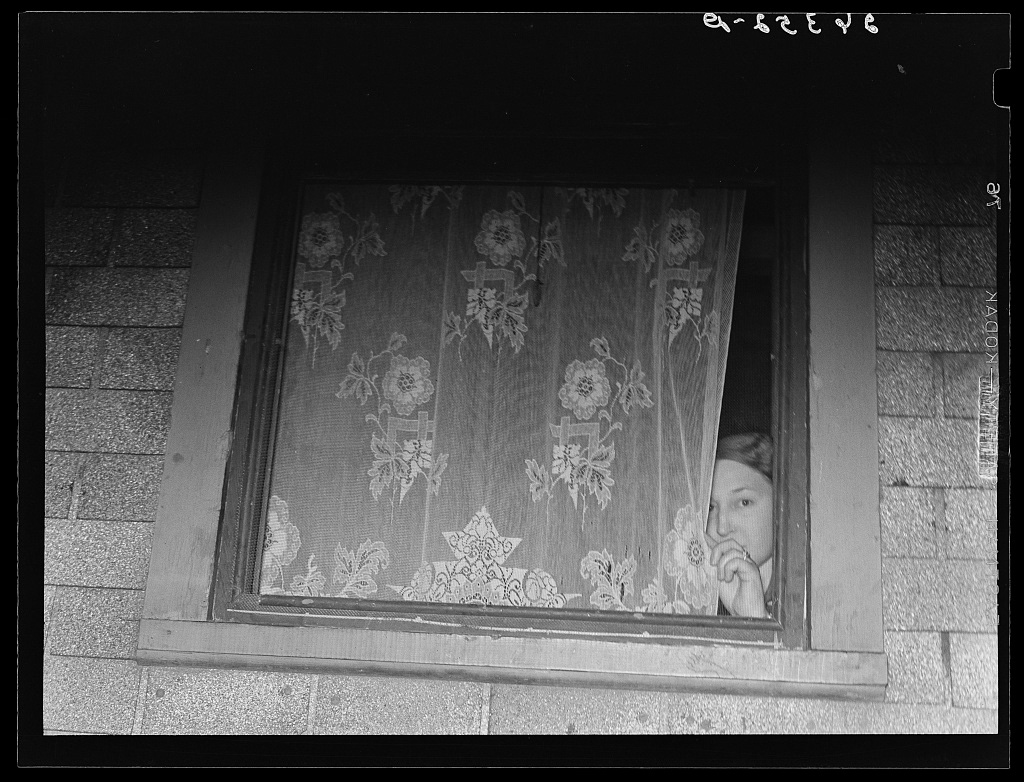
(541, 590)
(501, 237)
(320, 238)
(683, 305)
(635, 392)
(480, 306)
(422, 581)
(407, 384)
(318, 315)
(688, 300)
(686, 559)
(564, 458)
(417, 456)
(281, 543)
(416, 453)
(683, 236)
(586, 388)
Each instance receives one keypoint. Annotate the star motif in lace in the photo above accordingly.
(477, 575)
(479, 546)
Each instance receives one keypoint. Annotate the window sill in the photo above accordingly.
(566, 662)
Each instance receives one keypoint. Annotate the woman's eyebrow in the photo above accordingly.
(741, 488)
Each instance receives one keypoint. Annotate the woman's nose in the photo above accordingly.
(720, 522)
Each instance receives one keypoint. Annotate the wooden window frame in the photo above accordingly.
(828, 642)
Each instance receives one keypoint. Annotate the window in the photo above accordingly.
(537, 644)
(463, 371)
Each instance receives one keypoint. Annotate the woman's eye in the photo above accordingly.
(746, 503)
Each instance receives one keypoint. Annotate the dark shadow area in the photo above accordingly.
(747, 398)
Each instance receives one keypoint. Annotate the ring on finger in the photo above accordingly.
(746, 555)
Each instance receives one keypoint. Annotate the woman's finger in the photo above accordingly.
(734, 562)
(727, 568)
(719, 549)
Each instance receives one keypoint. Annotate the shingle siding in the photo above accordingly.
(939, 594)
(89, 695)
(71, 356)
(119, 238)
(935, 264)
(906, 255)
(97, 553)
(926, 318)
(968, 256)
(95, 622)
(116, 297)
(77, 236)
(119, 234)
(906, 383)
(932, 195)
(153, 237)
(140, 358)
(119, 487)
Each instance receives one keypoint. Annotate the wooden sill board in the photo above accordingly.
(568, 662)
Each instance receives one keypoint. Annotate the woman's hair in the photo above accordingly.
(753, 450)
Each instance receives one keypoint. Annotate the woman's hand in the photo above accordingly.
(732, 561)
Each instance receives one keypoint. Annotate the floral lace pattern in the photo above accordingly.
(353, 570)
(585, 469)
(497, 298)
(316, 308)
(318, 297)
(613, 582)
(489, 265)
(586, 388)
(281, 542)
(320, 238)
(685, 560)
(406, 385)
(678, 288)
(501, 237)
(684, 306)
(685, 557)
(311, 583)
(683, 236)
(404, 194)
(477, 575)
(595, 197)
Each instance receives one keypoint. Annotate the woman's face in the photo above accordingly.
(741, 509)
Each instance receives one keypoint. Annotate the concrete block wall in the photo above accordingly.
(119, 233)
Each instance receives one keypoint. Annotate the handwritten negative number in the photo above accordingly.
(715, 21)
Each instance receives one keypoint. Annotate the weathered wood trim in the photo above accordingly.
(846, 561)
(845, 570)
(188, 514)
(708, 668)
(790, 416)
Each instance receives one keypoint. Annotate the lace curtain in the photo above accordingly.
(502, 395)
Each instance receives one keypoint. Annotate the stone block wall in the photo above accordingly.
(119, 230)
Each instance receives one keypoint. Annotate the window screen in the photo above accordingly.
(502, 395)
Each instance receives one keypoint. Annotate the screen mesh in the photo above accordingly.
(502, 395)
